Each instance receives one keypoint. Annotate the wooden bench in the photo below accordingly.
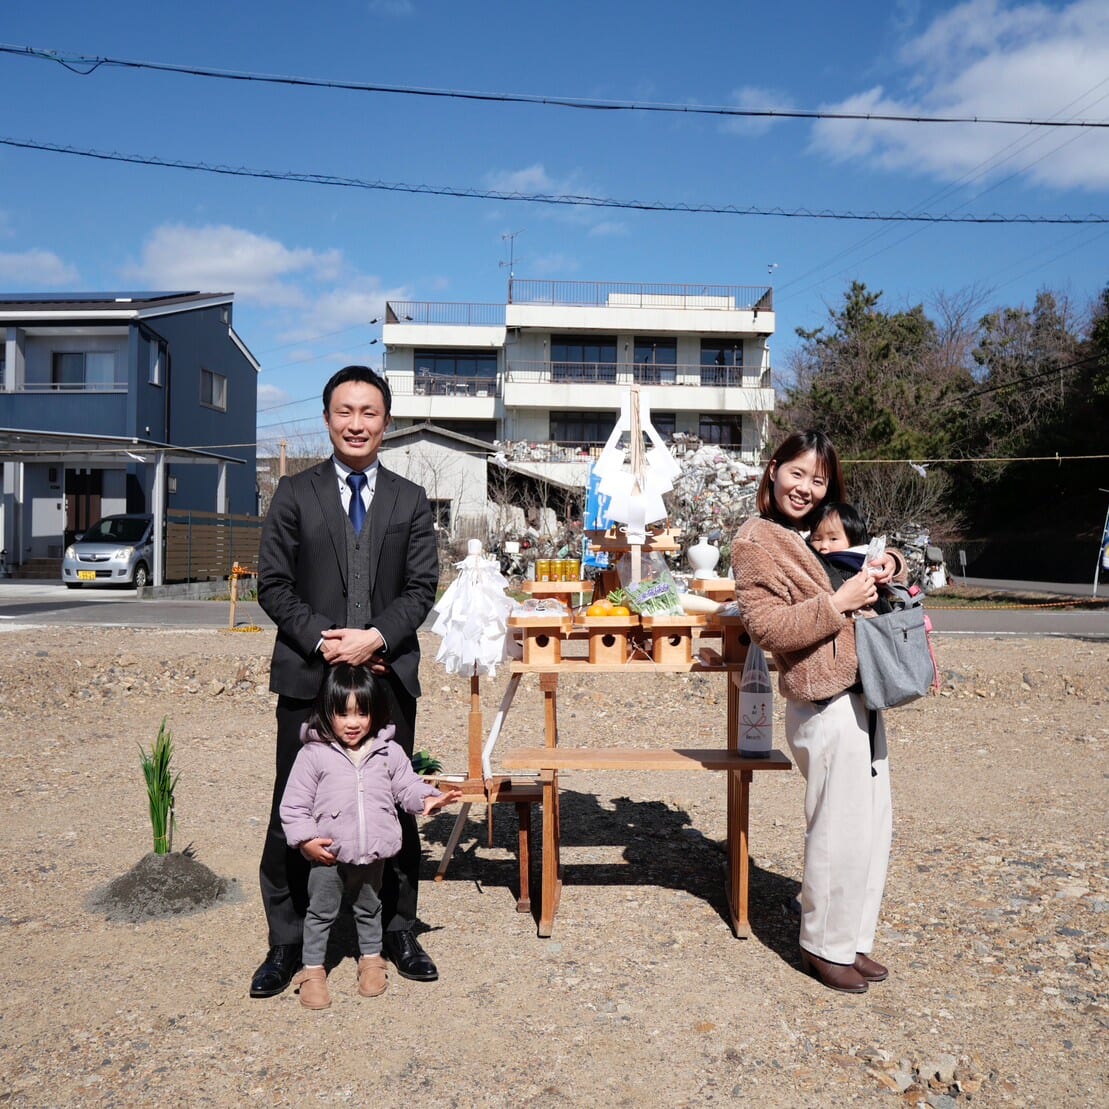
(550, 760)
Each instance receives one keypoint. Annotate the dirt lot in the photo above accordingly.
(995, 922)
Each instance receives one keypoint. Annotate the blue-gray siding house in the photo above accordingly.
(120, 402)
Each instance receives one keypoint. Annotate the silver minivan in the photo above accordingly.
(116, 550)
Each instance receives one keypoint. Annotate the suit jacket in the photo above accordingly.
(302, 573)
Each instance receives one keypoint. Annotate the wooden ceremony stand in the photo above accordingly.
(637, 646)
(522, 792)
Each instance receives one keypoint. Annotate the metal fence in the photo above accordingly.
(444, 312)
(638, 373)
(610, 294)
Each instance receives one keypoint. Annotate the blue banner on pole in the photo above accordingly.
(596, 519)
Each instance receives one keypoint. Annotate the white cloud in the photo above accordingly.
(608, 227)
(356, 301)
(535, 180)
(532, 179)
(987, 58)
(270, 396)
(254, 267)
(35, 269)
(754, 99)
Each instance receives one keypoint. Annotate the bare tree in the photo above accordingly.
(891, 496)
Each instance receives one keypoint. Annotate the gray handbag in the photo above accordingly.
(896, 662)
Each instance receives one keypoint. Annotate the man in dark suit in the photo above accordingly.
(347, 570)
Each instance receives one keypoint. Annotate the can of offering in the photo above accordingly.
(572, 567)
(542, 569)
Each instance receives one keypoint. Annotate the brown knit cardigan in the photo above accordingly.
(785, 599)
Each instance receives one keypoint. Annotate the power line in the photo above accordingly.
(563, 199)
(997, 159)
(89, 64)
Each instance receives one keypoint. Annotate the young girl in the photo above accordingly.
(339, 810)
(793, 611)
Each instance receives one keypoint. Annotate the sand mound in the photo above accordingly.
(161, 885)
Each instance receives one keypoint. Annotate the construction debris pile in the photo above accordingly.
(715, 491)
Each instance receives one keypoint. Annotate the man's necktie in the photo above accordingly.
(356, 510)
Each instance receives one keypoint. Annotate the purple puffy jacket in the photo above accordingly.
(329, 797)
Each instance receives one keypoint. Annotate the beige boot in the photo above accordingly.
(372, 978)
(312, 987)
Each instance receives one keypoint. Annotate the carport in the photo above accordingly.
(19, 447)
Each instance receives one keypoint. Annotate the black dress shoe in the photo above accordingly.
(410, 959)
(282, 961)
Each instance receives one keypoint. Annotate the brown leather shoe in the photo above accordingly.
(869, 969)
(836, 976)
(372, 976)
(312, 987)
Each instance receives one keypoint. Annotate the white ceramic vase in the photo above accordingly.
(703, 557)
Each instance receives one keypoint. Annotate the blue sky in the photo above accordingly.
(312, 265)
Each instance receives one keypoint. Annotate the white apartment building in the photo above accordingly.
(552, 365)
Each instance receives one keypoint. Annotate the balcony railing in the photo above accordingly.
(72, 387)
(567, 451)
(628, 373)
(438, 385)
(444, 313)
(608, 294)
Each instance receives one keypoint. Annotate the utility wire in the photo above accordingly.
(564, 199)
(85, 65)
(994, 162)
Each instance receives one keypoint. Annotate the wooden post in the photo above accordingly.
(636, 460)
(475, 735)
(234, 591)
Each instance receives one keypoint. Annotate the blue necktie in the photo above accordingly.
(357, 510)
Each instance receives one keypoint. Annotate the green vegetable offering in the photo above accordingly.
(653, 598)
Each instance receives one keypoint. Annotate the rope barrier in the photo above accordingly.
(1088, 602)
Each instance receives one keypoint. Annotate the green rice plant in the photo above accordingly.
(160, 784)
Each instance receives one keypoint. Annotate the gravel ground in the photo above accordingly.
(994, 927)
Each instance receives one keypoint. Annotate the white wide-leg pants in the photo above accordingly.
(848, 824)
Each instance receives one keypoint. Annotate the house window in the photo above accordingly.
(725, 431)
(656, 361)
(213, 390)
(580, 428)
(455, 372)
(74, 370)
(666, 423)
(157, 355)
(721, 362)
(588, 358)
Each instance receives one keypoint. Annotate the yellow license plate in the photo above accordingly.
(87, 575)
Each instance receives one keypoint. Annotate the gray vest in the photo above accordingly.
(358, 576)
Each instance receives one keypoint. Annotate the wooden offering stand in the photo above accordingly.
(500, 788)
(637, 644)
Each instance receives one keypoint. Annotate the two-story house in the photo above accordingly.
(120, 402)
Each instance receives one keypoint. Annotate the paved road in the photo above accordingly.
(35, 603)
(32, 603)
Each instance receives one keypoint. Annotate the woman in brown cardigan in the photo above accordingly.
(792, 611)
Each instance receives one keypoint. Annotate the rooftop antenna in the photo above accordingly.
(511, 263)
